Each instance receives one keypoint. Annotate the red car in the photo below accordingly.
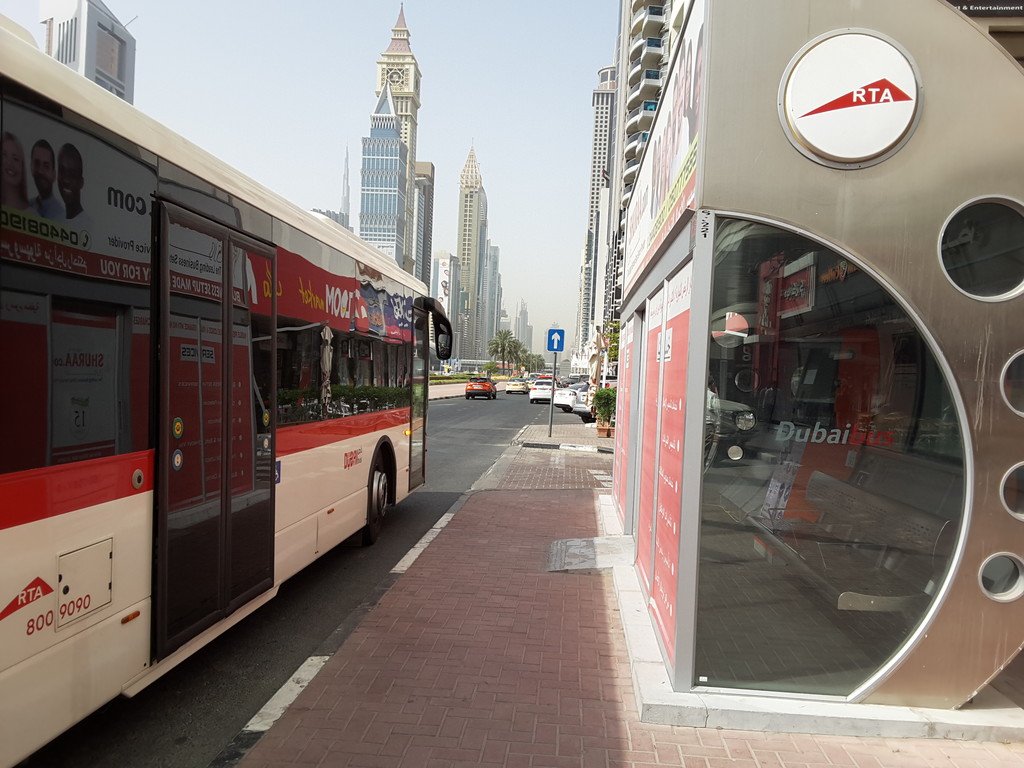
(481, 386)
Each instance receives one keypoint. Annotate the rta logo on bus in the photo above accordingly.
(849, 100)
(35, 590)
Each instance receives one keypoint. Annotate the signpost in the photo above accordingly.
(556, 344)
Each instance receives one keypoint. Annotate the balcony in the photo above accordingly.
(636, 72)
(648, 22)
(627, 192)
(647, 50)
(629, 172)
(647, 89)
(635, 143)
(640, 119)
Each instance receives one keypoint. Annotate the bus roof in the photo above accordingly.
(22, 61)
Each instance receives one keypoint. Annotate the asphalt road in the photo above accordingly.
(189, 716)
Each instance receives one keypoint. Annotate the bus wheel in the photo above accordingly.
(376, 501)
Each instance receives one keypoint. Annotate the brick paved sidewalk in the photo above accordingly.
(479, 656)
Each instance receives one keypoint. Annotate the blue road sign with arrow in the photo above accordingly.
(556, 340)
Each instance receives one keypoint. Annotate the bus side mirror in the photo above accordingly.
(442, 338)
(442, 327)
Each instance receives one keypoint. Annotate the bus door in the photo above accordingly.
(214, 536)
(420, 372)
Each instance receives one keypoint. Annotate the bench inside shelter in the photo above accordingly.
(880, 542)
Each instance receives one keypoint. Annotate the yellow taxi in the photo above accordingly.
(517, 386)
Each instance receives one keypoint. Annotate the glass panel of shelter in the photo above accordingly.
(831, 507)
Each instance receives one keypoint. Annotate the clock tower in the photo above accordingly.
(398, 69)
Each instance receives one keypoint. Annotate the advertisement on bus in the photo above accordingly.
(78, 205)
(74, 203)
(358, 302)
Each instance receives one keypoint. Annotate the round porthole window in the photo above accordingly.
(1002, 577)
(1013, 492)
(982, 249)
(1013, 383)
(729, 330)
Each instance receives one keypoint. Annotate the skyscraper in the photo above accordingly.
(643, 48)
(397, 69)
(382, 205)
(595, 255)
(444, 282)
(424, 226)
(444, 286)
(490, 293)
(341, 216)
(87, 37)
(521, 327)
(346, 201)
(471, 251)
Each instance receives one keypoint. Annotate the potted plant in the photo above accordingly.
(604, 409)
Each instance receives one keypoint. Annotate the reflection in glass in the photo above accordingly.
(746, 380)
(729, 330)
(1013, 383)
(1013, 492)
(343, 375)
(824, 543)
(1001, 577)
(983, 249)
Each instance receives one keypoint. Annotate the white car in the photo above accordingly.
(540, 390)
(728, 426)
(567, 397)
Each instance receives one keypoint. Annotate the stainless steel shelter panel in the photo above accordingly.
(964, 145)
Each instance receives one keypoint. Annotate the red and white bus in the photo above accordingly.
(205, 387)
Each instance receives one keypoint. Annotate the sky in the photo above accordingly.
(281, 90)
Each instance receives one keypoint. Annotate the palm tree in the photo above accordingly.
(516, 353)
(498, 346)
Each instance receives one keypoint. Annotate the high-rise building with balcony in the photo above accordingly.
(87, 37)
(647, 31)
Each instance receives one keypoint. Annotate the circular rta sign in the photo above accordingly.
(849, 99)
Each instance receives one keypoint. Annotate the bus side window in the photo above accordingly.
(78, 381)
